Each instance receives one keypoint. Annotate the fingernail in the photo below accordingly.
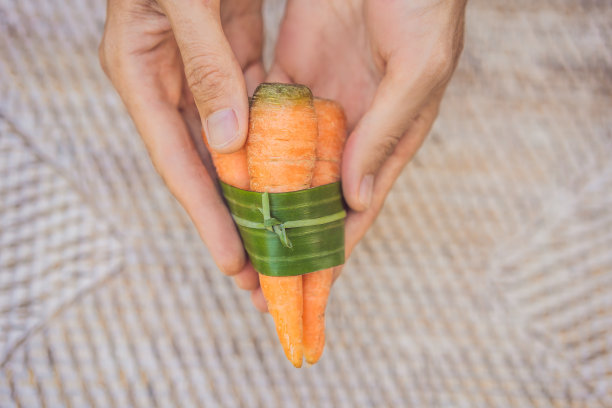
(365, 190)
(221, 128)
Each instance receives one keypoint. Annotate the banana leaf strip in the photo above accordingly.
(289, 234)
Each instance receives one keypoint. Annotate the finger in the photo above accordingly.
(243, 27)
(177, 161)
(396, 103)
(254, 75)
(276, 74)
(213, 74)
(357, 223)
(259, 301)
(337, 272)
(247, 278)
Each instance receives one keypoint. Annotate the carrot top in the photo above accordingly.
(281, 147)
(282, 94)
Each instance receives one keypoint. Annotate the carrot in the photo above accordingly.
(330, 141)
(231, 167)
(281, 153)
(316, 285)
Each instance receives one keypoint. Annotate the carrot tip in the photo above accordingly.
(313, 355)
(312, 362)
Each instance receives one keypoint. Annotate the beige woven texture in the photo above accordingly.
(485, 282)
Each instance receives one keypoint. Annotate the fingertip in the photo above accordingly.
(231, 261)
(356, 187)
(259, 301)
(247, 278)
(215, 227)
(226, 128)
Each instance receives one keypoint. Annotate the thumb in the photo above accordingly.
(213, 74)
(390, 115)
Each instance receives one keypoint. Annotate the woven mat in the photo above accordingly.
(485, 282)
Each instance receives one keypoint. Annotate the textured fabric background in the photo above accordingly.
(486, 281)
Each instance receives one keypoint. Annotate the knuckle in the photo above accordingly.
(109, 56)
(388, 144)
(205, 77)
(385, 147)
(442, 63)
(446, 56)
(102, 56)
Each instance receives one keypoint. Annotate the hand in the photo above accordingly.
(174, 62)
(388, 63)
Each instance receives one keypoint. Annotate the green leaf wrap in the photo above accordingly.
(289, 234)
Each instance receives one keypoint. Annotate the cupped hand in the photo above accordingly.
(179, 65)
(388, 63)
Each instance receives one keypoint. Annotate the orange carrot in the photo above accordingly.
(316, 285)
(281, 153)
(330, 141)
(231, 167)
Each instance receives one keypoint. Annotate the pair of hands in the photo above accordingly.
(180, 65)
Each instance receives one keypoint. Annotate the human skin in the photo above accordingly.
(388, 63)
(182, 64)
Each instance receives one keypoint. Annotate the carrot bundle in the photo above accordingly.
(294, 143)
